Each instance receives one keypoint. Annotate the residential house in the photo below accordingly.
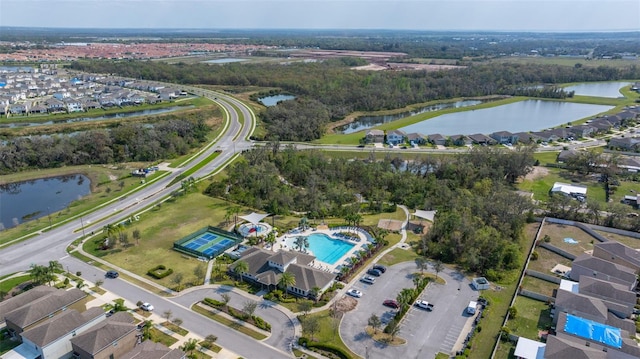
(73, 105)
(109, 339)
(51, 339)
(583, 299)
(627, 117)
(266, 268)
(460, 140)
(561, 133)
(601, 125)
(38, 109)
(582, 131)
(546, 136)
(416, 139)
(504, 137)
(33, 312)
(595, 267)
(437, 139)
(624, 143)
(374, 136)
(616, 252)
(579, 192)
(581, 305)
(481, 139)
(54, 105)
(151, 350)
(13, 303)
(631, 164)
(614, 120)
(18, 109)
(61, 95)
(565, 155)
(527, 137)
(396, 137)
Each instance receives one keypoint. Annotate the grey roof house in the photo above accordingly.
(618, 253)
(598, 268)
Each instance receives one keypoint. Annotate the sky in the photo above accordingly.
(463, 15)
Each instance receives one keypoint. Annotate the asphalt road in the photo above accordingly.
(427, 333)
(52, 245)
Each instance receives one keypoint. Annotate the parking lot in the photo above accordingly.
(427, 333)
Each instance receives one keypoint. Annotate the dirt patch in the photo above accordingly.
(346, 304)
(538, 172)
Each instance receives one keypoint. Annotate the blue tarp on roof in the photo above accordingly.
(588, 329)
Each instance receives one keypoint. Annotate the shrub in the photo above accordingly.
(260, 323)
(66, 281)
(78, 273)
(303, 341)
(329, 348)
(213, 303)
(534, 256)
(546, 238)
(159, 272)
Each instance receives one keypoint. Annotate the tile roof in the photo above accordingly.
(151, 350)
(61, 325)
(18, 301)
(42, 307)
(104, 334)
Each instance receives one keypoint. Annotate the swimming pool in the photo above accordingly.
(327, 249)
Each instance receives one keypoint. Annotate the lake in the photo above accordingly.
(598, 89)
(273, 100)
(522, 116)
(25, 201)
(148, 112)
(365, 122)
(224, 60)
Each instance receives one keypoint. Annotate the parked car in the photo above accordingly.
(368, 279)
(146, 307)
(380, 267)
(391, 304)
(424, 305)
(374, 272)
(354, 293)
(112, 274)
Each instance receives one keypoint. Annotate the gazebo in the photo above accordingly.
(255, 227)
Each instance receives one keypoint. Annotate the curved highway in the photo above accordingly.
(51, 245)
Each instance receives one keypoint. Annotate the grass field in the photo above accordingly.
(541, 186)
(8, 284)
(158, 336)
(532, 316)
(558, 232)
(547, 260)
(398, 255)
(629, 241)
(538, 285)
(233, 324)
(328, 332)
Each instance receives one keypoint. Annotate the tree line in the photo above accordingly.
(340, 91)
(479, 217)
(124, 143)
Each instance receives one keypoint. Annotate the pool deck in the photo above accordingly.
(285, 243)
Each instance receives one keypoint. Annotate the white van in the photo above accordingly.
(471, 308)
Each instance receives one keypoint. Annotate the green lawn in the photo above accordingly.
(546, 157)
(398, 255)
(234, 324)
(8, 284)
(538, 285)
(533, 316)
(159, 337)
(328, 332)
(540, 187)
(174, 328)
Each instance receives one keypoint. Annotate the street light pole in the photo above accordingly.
(82, 224)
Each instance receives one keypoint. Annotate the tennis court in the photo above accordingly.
(208, 242)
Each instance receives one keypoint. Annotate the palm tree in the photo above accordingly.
(301, 243)
(241, 268)
(404, 297)
(51, 270)
(39, 274)
(286, 280)
(357, 219)
(315, 293)
(189, 346)
(146, 329)
(271, 239)
(304, 223)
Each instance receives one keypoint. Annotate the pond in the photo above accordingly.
(29, 200)
(522, 116)
(365, 122)
(599, 89)
(148, 112)
(273, 100)
(226, 60)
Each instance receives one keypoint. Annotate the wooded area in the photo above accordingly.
(124, 143)
(339, 91)
(479, 215)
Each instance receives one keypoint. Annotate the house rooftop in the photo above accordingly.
(41, 308)
(60, 325)
(103, 334)
(18, 301)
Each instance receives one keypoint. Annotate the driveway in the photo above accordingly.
(427, 333)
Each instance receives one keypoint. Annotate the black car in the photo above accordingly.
(112, 274)
(374, 272)
(380, 267)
